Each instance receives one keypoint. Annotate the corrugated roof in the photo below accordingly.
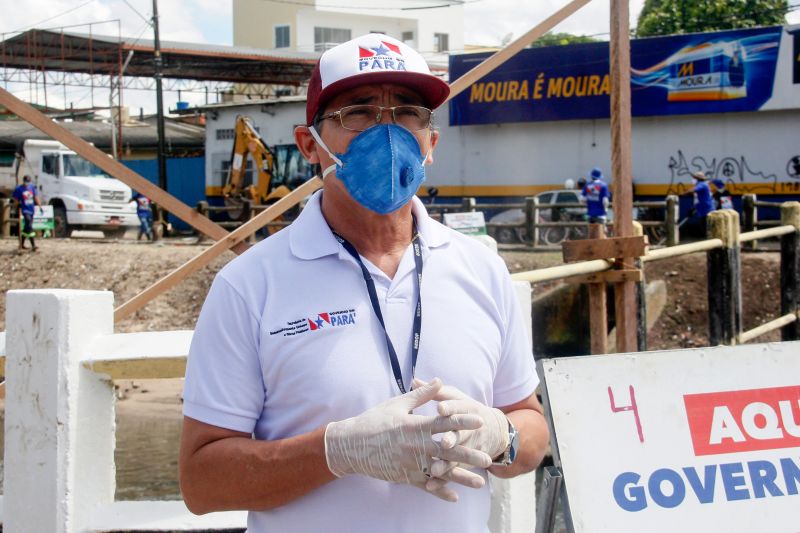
(77, 52)
(136, 135)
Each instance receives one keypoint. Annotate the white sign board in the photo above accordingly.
(470, 223)
(685, 440)
(43, 218)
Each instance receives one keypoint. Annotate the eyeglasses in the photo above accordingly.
(363, 117)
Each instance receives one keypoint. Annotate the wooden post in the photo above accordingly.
(598, 307)
(5, 217)
(671, 220)
(467, 204)
(749, 217)
(202, 208)
(620, 61)
(641, 299)
(724, 279)
(790, 269)
(531, 214)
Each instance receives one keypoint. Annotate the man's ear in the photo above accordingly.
(434, 142)
(306, 144)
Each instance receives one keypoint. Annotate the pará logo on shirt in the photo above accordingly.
(326, 320)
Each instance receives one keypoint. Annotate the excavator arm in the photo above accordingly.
(248, 143)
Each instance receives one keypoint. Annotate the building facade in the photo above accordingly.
(316, 27)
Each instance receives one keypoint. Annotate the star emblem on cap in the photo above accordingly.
(381, 50)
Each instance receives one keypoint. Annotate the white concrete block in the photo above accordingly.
(59, 420)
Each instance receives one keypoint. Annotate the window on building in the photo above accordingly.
(224, 166)
(224, 134)
(325, 38)
(282, 36)
(441, 42)
(377, 31)
(408, 37)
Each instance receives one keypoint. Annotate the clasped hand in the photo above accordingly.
(388, 442)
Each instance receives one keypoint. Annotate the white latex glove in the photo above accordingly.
(388, 442)
(491, 437)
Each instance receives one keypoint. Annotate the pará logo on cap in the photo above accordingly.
(385, 56)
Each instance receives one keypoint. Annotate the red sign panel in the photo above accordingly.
(745, 420)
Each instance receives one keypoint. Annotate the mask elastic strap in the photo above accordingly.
(320, 142)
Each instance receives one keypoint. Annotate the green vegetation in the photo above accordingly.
(668, 17)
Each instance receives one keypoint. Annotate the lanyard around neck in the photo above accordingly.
(373, 298)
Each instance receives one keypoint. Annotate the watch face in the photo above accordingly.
(512, 452)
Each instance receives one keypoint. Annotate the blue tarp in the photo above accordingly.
(185, 180)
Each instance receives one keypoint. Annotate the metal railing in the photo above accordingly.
(550, 224)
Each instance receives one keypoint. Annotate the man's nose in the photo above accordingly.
(386, 116)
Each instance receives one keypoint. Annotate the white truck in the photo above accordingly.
(82, 195)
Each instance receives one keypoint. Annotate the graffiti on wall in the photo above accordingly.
(733, 170)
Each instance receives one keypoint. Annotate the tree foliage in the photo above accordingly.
(668, 17)
(559, 39)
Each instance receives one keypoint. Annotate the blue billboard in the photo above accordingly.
(699, 73)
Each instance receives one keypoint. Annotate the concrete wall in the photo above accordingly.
(254, 22)
(358, 24)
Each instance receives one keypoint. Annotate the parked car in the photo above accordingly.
(549, 210)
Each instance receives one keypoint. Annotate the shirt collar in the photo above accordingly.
(310, 237)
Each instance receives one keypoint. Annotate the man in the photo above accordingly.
(145, 216)
(703, 201)
(298, 404)
(27, 197)
(722, 197)
(596, 196)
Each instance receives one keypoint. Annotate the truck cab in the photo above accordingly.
(82, 195)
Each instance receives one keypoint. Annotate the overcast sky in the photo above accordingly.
(210, 21)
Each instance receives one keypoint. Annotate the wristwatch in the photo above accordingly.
(510, 453)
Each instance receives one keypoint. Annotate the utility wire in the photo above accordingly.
(53, 17)
(149, 21)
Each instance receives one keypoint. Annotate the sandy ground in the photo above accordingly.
(127, 267)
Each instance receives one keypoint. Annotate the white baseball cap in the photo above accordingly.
(370, 59)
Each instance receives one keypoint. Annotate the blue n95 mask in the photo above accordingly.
(381, 169)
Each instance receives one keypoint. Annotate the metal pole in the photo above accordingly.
(157, 65)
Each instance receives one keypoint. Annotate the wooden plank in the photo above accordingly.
(610, 276)
(114, 168)
(501, 56)
(589, 249)
(217, 249)
(620, 71)
(598, 306)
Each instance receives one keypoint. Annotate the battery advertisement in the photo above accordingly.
(699, 73)
(686, 440)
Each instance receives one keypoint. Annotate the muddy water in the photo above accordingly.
(146, 456)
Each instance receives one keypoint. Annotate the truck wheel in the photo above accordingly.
(116, 233)
(506, 235)
(61, 228)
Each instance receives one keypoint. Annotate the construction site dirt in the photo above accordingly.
(127, 266)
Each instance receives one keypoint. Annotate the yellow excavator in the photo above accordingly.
(248, 143)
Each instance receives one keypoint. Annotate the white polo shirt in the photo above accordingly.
(287, 341)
